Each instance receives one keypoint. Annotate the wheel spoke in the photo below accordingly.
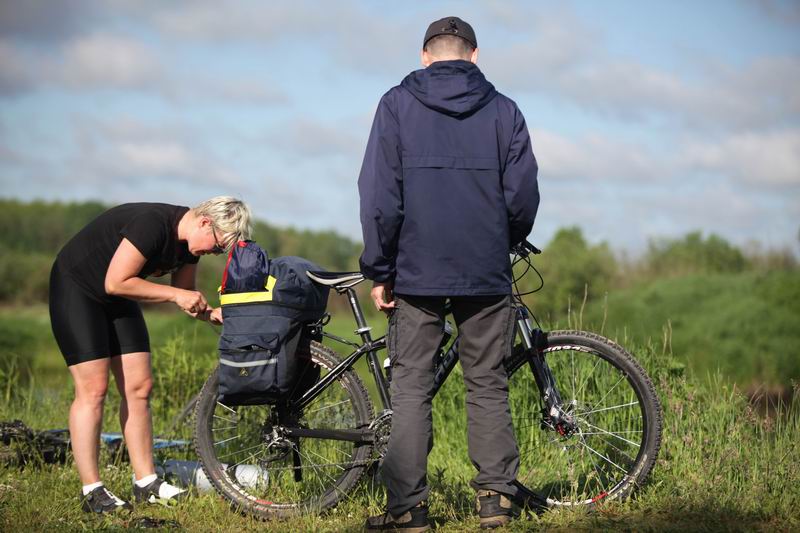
(577, 394)
(608, 408)
(223, 441)
(326, 407)
(601, 433)
(606, 459)
(226, 407)
(325, 459)
(601, 430)
(594, 465)
(226, 419)
(611, 389)
(240, 451)
(628, 457)
(251, 456)
(572, 359)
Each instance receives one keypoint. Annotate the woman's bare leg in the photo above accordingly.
(86, 416)
(134, 382)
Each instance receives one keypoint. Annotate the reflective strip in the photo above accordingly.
(228, 362)
(245, 297)
(249, 297)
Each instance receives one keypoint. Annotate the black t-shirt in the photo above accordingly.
(152, 228)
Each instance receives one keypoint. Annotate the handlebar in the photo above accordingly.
(524, 248)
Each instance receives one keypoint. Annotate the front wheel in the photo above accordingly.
(251, 458)
(613, 443)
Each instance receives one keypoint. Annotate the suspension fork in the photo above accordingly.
(535, 341)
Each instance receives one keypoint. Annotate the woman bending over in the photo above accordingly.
(95, 284)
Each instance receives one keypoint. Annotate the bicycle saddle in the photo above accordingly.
(336, 279)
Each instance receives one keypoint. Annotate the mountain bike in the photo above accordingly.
(586, 418)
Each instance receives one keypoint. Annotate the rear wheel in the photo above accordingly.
(614, 442)
(250, 461)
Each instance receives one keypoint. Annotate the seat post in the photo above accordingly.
(372, 357)
(363, 329)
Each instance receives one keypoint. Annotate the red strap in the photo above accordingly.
(241, 244)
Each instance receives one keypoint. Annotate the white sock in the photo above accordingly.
(146, 480)
(168, 491)
(91, 486)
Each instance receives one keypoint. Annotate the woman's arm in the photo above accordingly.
(122, 280)
(186, 278)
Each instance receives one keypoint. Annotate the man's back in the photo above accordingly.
(463, 190)
(448, 184)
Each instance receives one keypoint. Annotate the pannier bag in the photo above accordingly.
(266, 306)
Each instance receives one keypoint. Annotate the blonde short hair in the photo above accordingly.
(230, 216)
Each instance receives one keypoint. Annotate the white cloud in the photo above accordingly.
(152, 158)
(594, 157)
(306, 137)
(204, 20)
(101, 61)
(564, 58)
(91, 61)
(784, 11)
(16, 72)
(769, 159)
(49, 21)
(132, 151)
(110, 61)
(236, 90)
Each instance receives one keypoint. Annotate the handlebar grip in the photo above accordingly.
(533, 249)
(525, 248)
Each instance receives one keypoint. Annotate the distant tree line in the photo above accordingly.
(31, 233)
(575, 271)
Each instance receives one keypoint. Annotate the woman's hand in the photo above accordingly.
(193, 303)
(215, 316)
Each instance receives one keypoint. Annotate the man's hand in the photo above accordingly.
(382, 296)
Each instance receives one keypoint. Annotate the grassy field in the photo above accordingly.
(745, 324)
(721, 467)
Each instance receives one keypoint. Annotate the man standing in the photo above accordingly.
(447, 186)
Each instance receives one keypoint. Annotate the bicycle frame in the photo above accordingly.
(533, 341)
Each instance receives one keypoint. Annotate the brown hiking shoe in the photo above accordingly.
(494, 509)
(415, 520)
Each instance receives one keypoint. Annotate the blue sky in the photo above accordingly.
(649, 119)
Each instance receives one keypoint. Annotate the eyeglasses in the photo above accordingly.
(217, 249)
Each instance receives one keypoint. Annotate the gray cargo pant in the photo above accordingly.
(485, 325)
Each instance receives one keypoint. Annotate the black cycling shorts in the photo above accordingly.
(86, 329)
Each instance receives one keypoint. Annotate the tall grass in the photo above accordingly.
(722, 466)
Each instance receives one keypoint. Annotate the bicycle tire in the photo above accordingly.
(597, 461)
(345, 401)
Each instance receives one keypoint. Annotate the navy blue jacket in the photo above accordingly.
(448, 184)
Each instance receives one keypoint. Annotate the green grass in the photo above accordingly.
(747, 324)
(721, 467)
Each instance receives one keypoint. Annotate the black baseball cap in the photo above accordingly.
(451, 26)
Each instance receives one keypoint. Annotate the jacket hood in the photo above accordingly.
(456, 88)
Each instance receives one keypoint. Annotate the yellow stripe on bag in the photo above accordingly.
(250, 297)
